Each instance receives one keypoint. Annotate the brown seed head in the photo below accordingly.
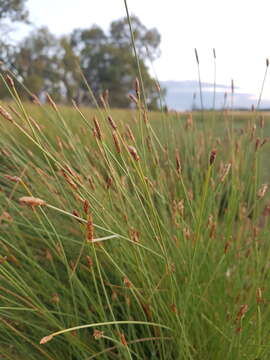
(79, 198)
(225, 171)
(46, 339)
(123, 339)
(48, 255)
(116, 141)
(134, 153)
(134, 234)
(145, 117)
(181, 207)
(86, 206)
(112, 123)
(189, 123)
(77, 215)
(226, 247)
(210, 221)
(186, 232)
(59, 142)
(71, 171)
(265, 140)
(211, 225)
(114, 295)
(51, 102)
(242, 311)
(267, 62)
(127, 282)
(128, 301)
(90, 262)
(102, 101)
(97, 128)
(3, 259)
(262, 122)
(95, 133)
(69, 180)
(91, 183)
(106, 96)
(130, 133)
(262, 191)
(5, 114)
(10, 81)
(137, 87)
(55, 299)
(34, 99)
(109, 182)
(13, 178)
(259, 296)
(36, 125)
(213, 155)
(178, 162)
(97, 334)
(5, 217)
(5, 152)
(90, 229)
(31, 201)
(266, 210)
(133, 98)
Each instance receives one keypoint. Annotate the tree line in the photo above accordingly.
(63, 66)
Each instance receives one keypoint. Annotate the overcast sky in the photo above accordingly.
(238, 29)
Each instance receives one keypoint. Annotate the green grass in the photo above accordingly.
(177, 264)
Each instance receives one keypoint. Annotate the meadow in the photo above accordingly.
(126, 234)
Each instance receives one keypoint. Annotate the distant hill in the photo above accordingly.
(184, 95)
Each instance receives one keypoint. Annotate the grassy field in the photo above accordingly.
(133, 235)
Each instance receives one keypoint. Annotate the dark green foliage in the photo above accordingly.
(108, 62)
(44, 63)
(13, 10)
(10, 11)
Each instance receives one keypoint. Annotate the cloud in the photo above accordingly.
(184, 95)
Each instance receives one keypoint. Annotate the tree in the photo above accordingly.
(146, 41)
(68, 64)
(108, 62)
(45, 63)
(37, 63)
(13, 10)
(10, 11)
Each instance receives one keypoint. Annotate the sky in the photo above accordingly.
(237, 29)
